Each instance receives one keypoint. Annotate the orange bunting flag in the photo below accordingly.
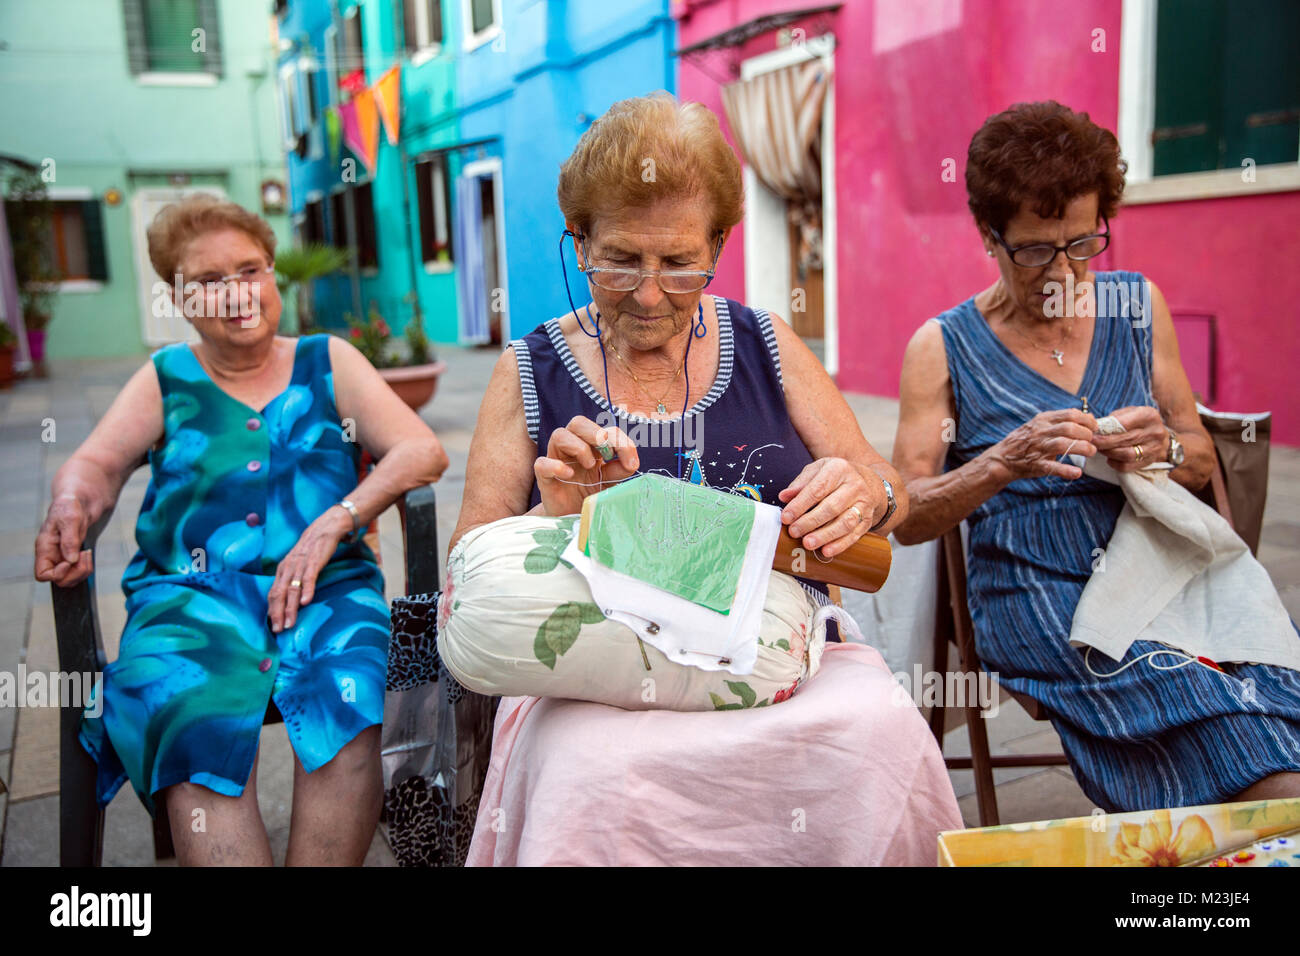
(388, 97)
(367, 129)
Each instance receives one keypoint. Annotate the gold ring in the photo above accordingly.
(295, 584)
(1137, 452)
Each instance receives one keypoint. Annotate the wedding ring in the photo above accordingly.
(295, 584)
(856, 511)
(1137, 452)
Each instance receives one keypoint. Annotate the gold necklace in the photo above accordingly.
(1056, 353)
(660, 407)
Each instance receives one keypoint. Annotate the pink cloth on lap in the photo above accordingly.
(578, 783)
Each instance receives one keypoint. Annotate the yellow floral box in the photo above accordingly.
(1259, 833)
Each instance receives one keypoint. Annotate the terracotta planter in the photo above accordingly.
(414, 384)
(36, 345)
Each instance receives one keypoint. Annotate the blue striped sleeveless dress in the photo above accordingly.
(1144, 738)
(738, 436)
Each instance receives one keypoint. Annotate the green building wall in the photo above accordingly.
(70, 97)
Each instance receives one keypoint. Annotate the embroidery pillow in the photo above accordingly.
(516, 620)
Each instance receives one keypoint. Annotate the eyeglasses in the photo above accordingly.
(215, 284)
(1041, 253)
(671, 281)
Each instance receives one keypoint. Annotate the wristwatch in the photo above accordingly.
(893, 505)
(1176, 452)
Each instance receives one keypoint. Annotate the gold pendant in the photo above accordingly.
(661, 408)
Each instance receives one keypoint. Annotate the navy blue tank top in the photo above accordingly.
(738, 436)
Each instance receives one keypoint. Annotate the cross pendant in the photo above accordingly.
(1059, 356)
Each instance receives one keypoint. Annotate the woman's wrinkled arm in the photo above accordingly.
(407, 452)
(1173, 395)
(86, 486)
(499, 474)
(940, 500)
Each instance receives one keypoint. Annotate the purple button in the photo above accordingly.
(265, 665)
(253, 424)
(252, 520)
(254, 465)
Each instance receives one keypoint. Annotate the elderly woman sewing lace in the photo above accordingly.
(249, 584)
(705, 389)
(1025, 368)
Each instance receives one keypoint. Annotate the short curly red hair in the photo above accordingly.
(691, 158)
(1042, 155)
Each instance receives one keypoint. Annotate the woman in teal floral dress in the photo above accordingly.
(249, 585)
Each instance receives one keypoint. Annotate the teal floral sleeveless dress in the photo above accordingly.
(232, 490)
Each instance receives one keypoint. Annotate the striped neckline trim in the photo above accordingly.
(720, 382)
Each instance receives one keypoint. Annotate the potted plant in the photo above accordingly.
(296, 268)
(409, 367)
(37, 278)
(8, 342)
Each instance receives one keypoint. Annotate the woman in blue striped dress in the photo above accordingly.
(994, 393)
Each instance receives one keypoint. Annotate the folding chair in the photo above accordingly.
(953, 625)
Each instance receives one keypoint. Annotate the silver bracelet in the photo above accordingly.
(356, 521)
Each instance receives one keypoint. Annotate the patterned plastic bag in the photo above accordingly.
(436, 743)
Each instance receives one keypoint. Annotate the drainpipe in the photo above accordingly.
(349, 210)
(399, 55)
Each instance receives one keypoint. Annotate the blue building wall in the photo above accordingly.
(520, 94)
(556, 67)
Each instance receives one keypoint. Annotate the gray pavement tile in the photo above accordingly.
(31, 836)
(1050, 794)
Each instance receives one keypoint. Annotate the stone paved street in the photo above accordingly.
(77, 393)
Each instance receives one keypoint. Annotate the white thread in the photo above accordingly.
(1186, 659)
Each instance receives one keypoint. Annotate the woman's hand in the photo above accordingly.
(1032, 450)
(303, 564)
(59, 558)
(832, 503)
(1144, 429)
(573, 467)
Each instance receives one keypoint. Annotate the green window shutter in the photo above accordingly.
(211, 26)
(1261, 92)
(137, 52)
(1189, 83)
(96, 254)
(168, 28)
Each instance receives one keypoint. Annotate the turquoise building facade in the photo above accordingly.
(459, 216)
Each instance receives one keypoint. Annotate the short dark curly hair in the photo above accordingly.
(1043, 155)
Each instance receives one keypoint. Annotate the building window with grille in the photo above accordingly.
(313, 221)
(173, 42)
(352, 54)
(73, 244)
(422, 22)
(361, 201)
(433, 192)
(482, 19)
(1209, 97)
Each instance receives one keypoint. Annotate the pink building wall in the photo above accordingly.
(914, 80)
